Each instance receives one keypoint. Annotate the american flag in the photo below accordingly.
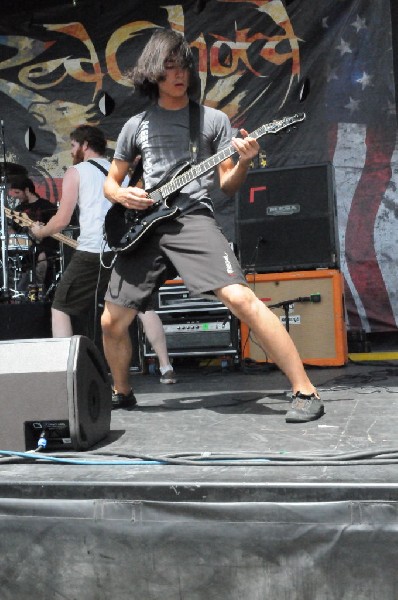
(346, 54)
(361, 111)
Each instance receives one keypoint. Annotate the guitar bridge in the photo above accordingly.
(130, 216)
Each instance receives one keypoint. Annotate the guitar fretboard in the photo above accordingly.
(181, 180)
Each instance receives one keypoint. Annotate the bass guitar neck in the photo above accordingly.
(23, 220)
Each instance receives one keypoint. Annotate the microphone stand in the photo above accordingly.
(286, 303)
(251, 267)
(4, 295)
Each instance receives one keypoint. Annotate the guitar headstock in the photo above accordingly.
(19, 218)
(286, 122)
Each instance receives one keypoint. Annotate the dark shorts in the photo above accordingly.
(82, 283)
(191, 246)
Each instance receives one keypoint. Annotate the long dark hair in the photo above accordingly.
(164, 44)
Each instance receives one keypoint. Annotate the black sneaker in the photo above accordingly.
(304, 408)
(120, 400)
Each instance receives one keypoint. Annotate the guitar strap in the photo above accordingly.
(194, 127)
(139, 169)
(100, 167)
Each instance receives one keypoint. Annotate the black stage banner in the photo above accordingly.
(63, 63)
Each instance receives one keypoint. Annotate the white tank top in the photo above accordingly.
(93, 205)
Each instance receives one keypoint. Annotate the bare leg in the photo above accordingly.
(155, 333)
(115, 324)
(61, 324)
(269, 331)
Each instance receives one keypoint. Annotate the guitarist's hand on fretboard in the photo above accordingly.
(35, 231)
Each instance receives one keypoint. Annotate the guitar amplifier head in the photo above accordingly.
(176, 297)
(199, 334)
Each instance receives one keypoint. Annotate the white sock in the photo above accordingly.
(164, 370)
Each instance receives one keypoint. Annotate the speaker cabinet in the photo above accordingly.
(312, 302)
(286, 220)
(55, 387)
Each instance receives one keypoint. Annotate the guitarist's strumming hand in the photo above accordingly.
(133, 198)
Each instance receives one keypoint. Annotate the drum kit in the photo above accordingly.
(21, 267)
(18, 282)
(22, 284)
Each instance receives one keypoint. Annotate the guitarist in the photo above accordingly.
(85, 278)
(37, 209)
(191, 244)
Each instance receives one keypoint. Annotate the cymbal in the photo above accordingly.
(12, 169)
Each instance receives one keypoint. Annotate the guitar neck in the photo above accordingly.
(196, 171)
(65, 239)
(181, 180)
(24, 220)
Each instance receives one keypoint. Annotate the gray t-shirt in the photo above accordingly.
(162, 139)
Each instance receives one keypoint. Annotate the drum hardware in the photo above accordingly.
(15, 274)
(7, 169)
(12, 202)
(51, 288)
(57, 265)
(20, 246)
(19, 241)
(51, 261)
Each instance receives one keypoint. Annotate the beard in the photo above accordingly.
(79, 156)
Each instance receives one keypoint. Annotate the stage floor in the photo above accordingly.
(270, 514)
(234, 421)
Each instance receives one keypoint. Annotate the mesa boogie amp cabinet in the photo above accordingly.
(194, 326)
(287, 220)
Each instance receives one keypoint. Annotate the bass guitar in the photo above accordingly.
(23, 220)
(126, 228)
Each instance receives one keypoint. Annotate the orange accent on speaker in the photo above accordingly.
(316, 327)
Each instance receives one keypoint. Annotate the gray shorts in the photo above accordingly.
(82, 283)
(191, 246)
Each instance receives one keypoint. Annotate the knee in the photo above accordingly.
(115, 323)
(110, 325)
(240, 299)
(106, 323)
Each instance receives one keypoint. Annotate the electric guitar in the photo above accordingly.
(126, 228)
(23, 220)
